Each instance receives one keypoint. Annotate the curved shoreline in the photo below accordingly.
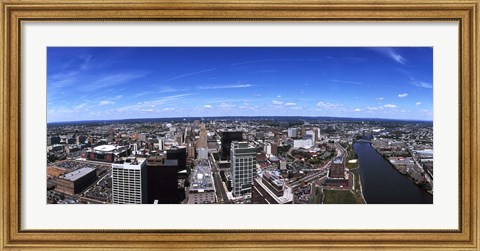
(390, 163)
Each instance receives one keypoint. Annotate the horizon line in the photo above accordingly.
(258, 116)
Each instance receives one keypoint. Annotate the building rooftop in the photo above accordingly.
(338, 160)
(130, 163)
(109, 149)
(105, 148)
(201, 178)
(161, 161)
(77, 174)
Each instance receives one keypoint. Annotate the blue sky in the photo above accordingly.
(99, 83)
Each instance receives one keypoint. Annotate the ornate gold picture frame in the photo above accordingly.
(15, 13)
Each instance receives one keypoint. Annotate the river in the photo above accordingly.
(382, 183)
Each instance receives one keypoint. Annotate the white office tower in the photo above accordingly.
(243, 162)
(268, 149)
(292, 132)
(312, 134)
(129, 182)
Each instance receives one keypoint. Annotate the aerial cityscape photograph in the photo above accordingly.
(239, 125)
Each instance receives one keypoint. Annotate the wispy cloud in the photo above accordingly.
(165, 89)
(264, 71)
(324, 104)
(208, 106)
(290, 104)
(224, 86)
(112, 80)
(106, 102)
(391, 53)
(80, 106)
(421, 84)
(226, 105)
(418, 103)
(152, 103)
(188, 74)
(414, 81)
(390, 106)
(277, 60)
(346, 82)
(402, 95)
(380, 99)
(357, 110)
(276, 102)
(62, 79)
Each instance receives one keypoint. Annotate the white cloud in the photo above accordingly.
(325, 104)
(390, 106)
(372, 108)
(415, 82)
(357, 110)
(149, 103)
(290, 104)
(391, 53)
(279, 96)
(418, 103)
(421, 84)
(276, 102)
(380, 99)
(80, 106)
(208, 106)
(397, 57)
(107, 102)
(226, 105)
(402, 95)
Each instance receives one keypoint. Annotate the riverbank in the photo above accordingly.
(418, 183)
(354, 170)
(382, 184)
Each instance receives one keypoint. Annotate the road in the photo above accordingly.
(219, 185)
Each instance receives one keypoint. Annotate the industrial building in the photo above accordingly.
(337, 176)
(77, 181)
(337, 168)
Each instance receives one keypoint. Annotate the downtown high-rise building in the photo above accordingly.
(162, 180)
(129, 182)
(243, 162)
(202, 140)
(227, 137)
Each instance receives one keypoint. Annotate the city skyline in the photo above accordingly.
(107, 83)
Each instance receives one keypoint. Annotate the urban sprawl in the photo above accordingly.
(227, 160)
